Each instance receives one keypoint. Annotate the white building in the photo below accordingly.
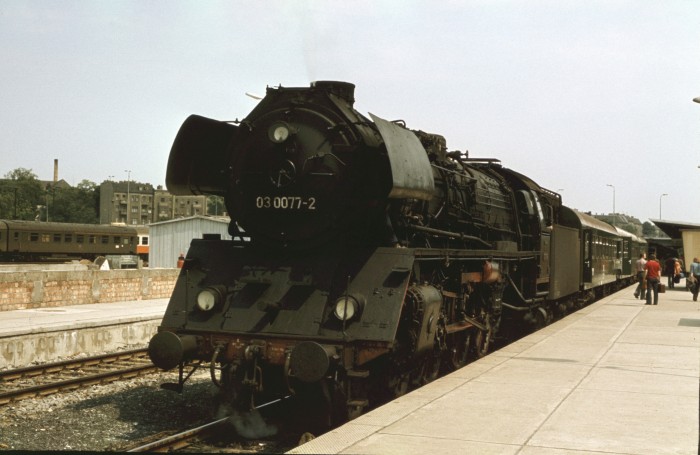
(169, 239)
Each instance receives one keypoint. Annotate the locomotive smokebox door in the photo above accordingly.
(199, 157)
(412, 176)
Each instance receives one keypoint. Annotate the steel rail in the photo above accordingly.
(54, 386)
(180, 440)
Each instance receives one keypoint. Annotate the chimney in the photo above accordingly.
(55, 171)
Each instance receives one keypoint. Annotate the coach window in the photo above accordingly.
(57, 238)
(92, 239)
(79, 238)
(117, 239)
(33, 236)
(45, 238)
(68, 238)
(104, 239)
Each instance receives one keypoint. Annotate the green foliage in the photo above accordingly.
(216, 206)
(20, 194)
(23, 197)
(650, 230)
(631, 228)
(74, 205)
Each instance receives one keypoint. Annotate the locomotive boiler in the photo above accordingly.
(377, 257)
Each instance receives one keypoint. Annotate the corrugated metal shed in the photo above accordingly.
(170, 238)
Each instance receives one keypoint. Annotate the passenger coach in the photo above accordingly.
(34, 241)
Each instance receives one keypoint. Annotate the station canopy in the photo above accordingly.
(673, 229)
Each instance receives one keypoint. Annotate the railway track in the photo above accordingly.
(49, 378)
(198, 439)
(180, 440)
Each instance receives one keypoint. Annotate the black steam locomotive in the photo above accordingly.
(376, 256)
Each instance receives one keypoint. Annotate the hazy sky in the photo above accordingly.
(574, 94)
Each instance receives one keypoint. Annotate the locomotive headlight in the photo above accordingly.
(208, 298)
(279, 132)
(347, 307)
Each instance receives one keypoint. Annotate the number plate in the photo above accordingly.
(285, 202)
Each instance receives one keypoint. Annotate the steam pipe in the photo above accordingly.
(524, 300)
(455, 235)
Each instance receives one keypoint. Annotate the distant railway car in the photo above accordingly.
(601, 249)
(35, 241)
(632, 247)
(142, 246)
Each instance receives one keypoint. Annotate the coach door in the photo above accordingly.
(587, 256)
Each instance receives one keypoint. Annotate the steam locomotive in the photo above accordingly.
(377, 258)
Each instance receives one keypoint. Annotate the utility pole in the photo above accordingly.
(613, 187)
(128, 194)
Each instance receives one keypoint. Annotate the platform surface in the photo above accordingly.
(72, 317)
(617, 377)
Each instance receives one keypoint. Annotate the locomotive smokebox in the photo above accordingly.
(167, 350)
(310, 361)
(199, 159)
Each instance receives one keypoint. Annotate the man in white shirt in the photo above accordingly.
(639, 269)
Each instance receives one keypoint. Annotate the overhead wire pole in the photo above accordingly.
(665, 194)
(128, 193)
(613, 187)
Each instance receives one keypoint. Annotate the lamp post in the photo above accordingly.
(660, 203)
(128, 193)
(613, 187)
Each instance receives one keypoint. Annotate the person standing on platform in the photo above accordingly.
(641, 285)
(669, 270)
(652, 273)
(695, 274)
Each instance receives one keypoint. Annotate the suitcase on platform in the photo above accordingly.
(662, 288)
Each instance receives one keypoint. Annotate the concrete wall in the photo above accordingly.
(28, 349)
(44, 289)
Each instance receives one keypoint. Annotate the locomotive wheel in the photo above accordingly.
(482, 339)
(542, 318)
(400, 384)
(460, 349)
(431, 368)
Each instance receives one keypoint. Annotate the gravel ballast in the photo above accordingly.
(108, 416)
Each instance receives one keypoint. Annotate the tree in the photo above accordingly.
(20, 195)
(631, 228)
(215, 206)
(79, 204)
(649, 230)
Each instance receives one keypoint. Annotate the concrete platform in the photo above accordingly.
(46, 334)
(617, 377)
